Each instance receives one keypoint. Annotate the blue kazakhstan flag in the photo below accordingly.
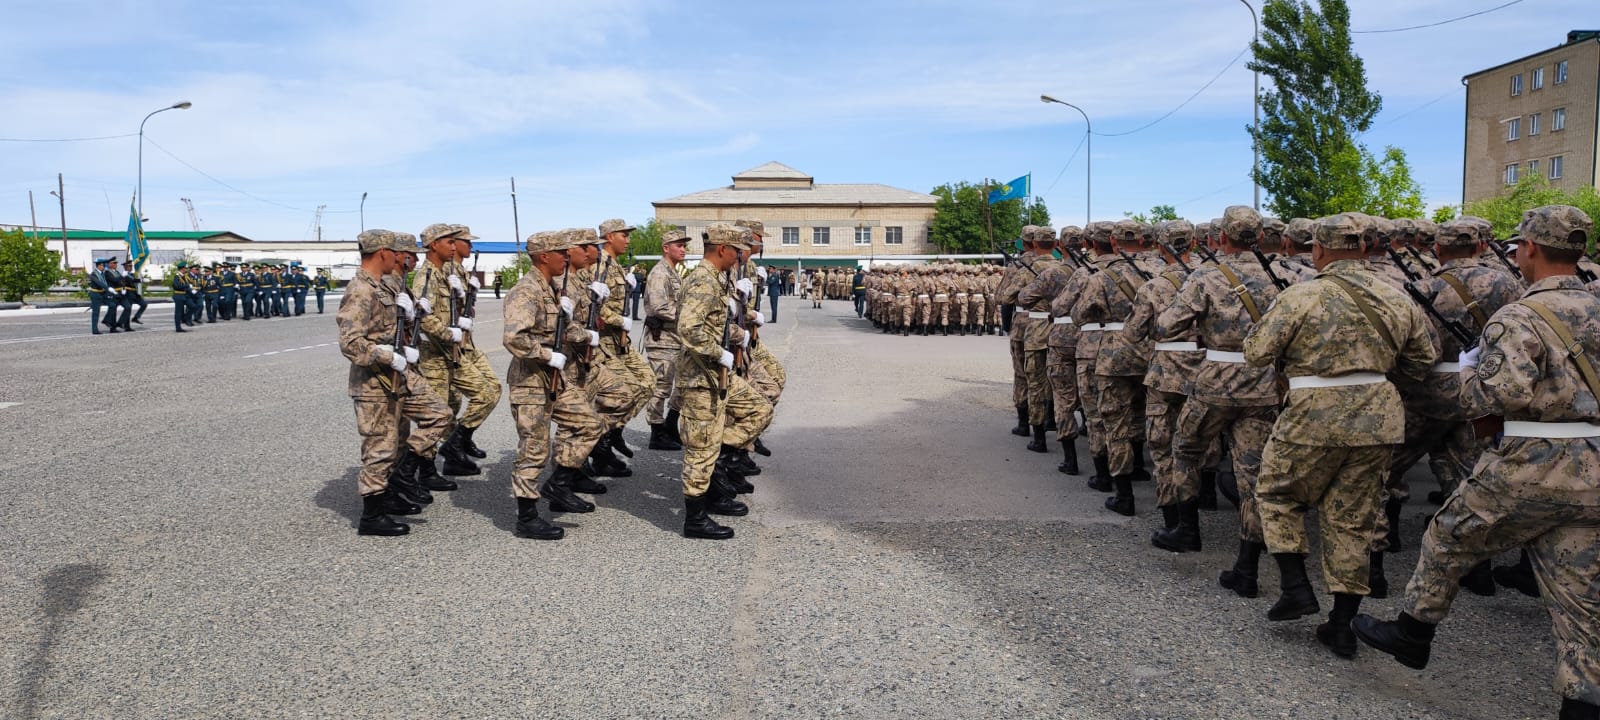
(1015, 190)
(138, 249)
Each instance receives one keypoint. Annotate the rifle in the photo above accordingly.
(1144, 276)
(1206, 253)
(1585, 275)
(594, 306)
(1500, 252)
(741, 361)
(722, 372)
(553, 388)
(1420, 262)
(1083, 260)
(1467, 339)
(455, 313)
(1176, 257)
(1399, 261)
(471, 310)
(1266, 264)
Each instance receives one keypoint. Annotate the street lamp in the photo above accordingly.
(185, 105)
(363, 212)
(1255, 144)
(1088, 158)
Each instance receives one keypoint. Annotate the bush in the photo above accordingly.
(27, 267)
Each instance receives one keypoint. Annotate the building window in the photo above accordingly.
(1533, 124)
(791, 236)
(1516, 85)
(1533, 168)
(863, 235)
(894, 235)
(1511, 174)
(1538, 78)
(1513, 129)
(1555, 168)
(1561, 72)
(819, 236)
(1558, 119)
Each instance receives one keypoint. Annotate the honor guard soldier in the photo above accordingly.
(247, 290)
(181, 288)
(211, 290)
(101, 296)
(661, 337)
(323, 284)
(474, 378)
(131, 296)
(616, 327)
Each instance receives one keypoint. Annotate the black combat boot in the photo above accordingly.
(1407, 639)
(456, 460)
(1069, 457)
(661, 439)
(428, 476)
(606, 463)
(1184, 535)
(905, 330)
(760, 448)
(1377, 584)
(1122, 502)
(1297, 599)
(945, 330)
(721, 497)
(1038, 445)
(464, 441)
(1578, 710)
(558, 490)
(1169, 516)
(375, 520)
(961, 330)
(1102, 475)
(1208, 490)
(1480, 579)
(533, 527)
(696, 524)
(1228, 486)
(1518, 577)
(1022, 430)
(739, 461)
(393, 504)
(884, 327)
(672, 426)
(614, 438)
(1141, 473)
(1391, 510)
(583, 482)
(1050, 416)
(1241, 578)
(403, 481)
(1336, 633)
(736, 481)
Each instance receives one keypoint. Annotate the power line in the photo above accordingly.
(1436, 24)
(1070, 158)
(208, 176)
(1181, 105)
(1218, 191)
(62, 140)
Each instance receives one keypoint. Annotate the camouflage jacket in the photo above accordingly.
(577, 340)
(367, 320)
(1169, 370)
(661, 302)
(1108, 298)
(615, 308)
(1316, 328)
(1294, 268)
(1086, 345)
(702, 316)
(1017, 276)
(433, 283)
(531, 313)
(1208, 310)
(1489, 288)
(1049, 286)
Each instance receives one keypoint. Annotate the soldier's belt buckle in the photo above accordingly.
(1240, 290)
(1575, 350)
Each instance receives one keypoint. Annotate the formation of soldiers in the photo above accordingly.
(1327, 357)
(935, 299)
(709, 385)
(205, 294)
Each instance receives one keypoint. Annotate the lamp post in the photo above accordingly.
(363, 212)
(1255, 145)
(1088, 158)
(185, 105)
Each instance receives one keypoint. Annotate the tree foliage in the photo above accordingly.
(646, 238)
(960, 224)
(1444, 214)
(1505, 211)
(27, 266)
(1159, 213)
(1377, 187)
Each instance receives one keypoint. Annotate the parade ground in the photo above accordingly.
(178, 533)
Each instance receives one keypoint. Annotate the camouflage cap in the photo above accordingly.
(755, 226)
(464, 233)
(1405, 228)
(582, 236)
(1272, 228)
(722, 233)
(436, 231)
(1424, 229)
(1241, 224)
(747, 239)
(1149, 231)
(1098, 232)
(371, 241)
(1124, 230)
(615, 225)
(674, 234)
(1563, 227)
(547, 241)
(1340, 232)
(1028, 231)
(403, 242)
(1383, 228)
(1179, 234)
(1298, 230)
(1072, 236)
(1457, 233)
(1044, 234)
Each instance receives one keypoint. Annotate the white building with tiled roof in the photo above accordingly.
(819, 223)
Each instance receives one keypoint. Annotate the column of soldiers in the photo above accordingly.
(937, 299)
(1326, 357)
(709, 383)
(204, 294)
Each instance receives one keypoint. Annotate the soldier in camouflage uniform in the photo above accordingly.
(415, 477)
(1217, 307)
(540, 393)
(615, 330)
(1059, 343)
(1338, 339)
(474, 378)
(1538, 489)
(1030, 334)
(661, 337)
(613, 398)
(1086, 350)
(765, 373)
(443, 336)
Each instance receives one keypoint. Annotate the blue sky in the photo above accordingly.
(599, 107)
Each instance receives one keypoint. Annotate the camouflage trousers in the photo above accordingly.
(1508, 503)
(977, 305)
(1088, 394)
(1061, 368)
(1122, 407)
(1344, 484)
(472, 379)
(633, 370)
(766, 373)
(663, 358)
(577, 429)
(1039, 388)
(613, 399)
(994, 312)
(379, 422)
(1019, 371)
(924, 305)
(961, 308)
(706, 422)
(940, 314)
(1449, 444)
(1161, 411)
(1200, 424)
(905, 309)
(431, 415)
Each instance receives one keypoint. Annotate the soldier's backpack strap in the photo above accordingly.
(1372, 315)
(1173, 277)
(1242, 291)
(1574, 350)
(1123, 285)
(1466, 298)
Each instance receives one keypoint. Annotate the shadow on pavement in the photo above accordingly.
(66, 591)
(489, 494)
(339, 495)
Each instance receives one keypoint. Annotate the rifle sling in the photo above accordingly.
(1466, 299)
(1574, 350)
(1240, 290)
(1366, 309)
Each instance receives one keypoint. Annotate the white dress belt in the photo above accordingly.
(1063, 320)
(1091, 327)
(1038, 315)
(1225, 356)
(1317, 381)
(1177, 346)
(1447, 367)
(1551, 430)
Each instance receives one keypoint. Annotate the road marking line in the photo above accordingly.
(4, 405)
(274, 352)
(288, 350)
(42, 338)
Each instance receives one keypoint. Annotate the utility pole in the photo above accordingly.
(33, 216)
(1255, 144)
(516, 226)
(317, 221)
(363, 211)
(61, 195)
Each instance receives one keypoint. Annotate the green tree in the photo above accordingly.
(1159, 213)
(510, 274)
(1316, 103)
(1376, 187)
(1505, 211)
(646, 238)
(1444, 214)
(961, 222)
(27, 266)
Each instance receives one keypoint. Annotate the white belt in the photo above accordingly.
(1317, 381)
(1100, 326)
(977, 296)
(961, 295)
(1447, 367)
(942, 297)
(1063, 320)
(922, 296)
(1551, 430)
(1226, 357)
(1177, 346)
(1037, 315)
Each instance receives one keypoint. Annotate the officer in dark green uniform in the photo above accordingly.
(230, 289)
(323, 284)
(100, 295)
(180, 295)
(302, 286)
(131, 296)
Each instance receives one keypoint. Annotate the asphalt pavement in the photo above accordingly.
(178, 527)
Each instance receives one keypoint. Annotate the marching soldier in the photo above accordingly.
(324, 283)
(442, 333)
(247, 291)
(616, 327)
(1029, 384)
(101, 297)
(131, 296)
(661, 337)
(230, 291)
(473, 378)
(613, 398)
(1060, 337)
(211, 288)
(181, 289)
(764, 373)
(1086, 351)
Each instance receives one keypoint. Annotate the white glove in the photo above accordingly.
(760, 319)
(627, 324)
(425, 305)
(1469, 359)
(745, 343)
(726, 360)
(474, 282)
(744, 285)
(404, 300)
(732, 306)
(411, 355)
(465, 323)
(386, 348)
(455, 335)
(398, 362)
(455, 283)
(566, 305)
(761, 271)
(557, 360)
(594, 338)
(600, 290)
(632, 281)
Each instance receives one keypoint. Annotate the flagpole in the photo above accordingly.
(987, 216)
